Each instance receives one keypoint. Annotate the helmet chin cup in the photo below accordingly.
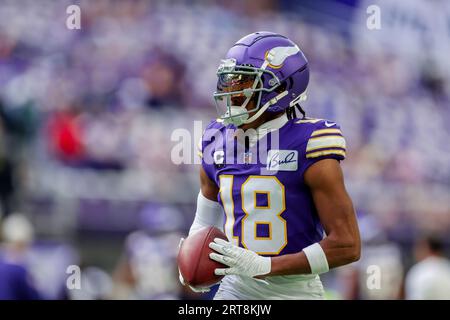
(235, 115)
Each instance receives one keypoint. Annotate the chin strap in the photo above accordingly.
(271, 102)
(267, 105)
(295, 104)
(299, 99)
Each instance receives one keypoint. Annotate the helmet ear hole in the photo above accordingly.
(290, 82)
(281, 88)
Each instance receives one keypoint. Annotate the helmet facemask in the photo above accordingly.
(237, 86)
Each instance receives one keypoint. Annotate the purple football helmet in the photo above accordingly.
(263, 66)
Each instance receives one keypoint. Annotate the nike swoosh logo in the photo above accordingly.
(330, 124)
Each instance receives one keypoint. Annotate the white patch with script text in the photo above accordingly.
(282, 160)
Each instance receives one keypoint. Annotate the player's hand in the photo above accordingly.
(180, 277)
(241, 261)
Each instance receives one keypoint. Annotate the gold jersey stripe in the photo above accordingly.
(323, 131)
(325, 152)
(325, 142)
(309, 120)
(329, 147)
(200, 154)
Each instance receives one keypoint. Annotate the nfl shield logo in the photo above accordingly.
(247, 157)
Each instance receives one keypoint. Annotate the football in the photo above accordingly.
(193, 259)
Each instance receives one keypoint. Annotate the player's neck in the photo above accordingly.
(265, 117)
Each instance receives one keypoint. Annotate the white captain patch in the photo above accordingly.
(219, 156)
(282, 160)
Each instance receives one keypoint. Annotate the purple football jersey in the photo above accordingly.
(267, 206)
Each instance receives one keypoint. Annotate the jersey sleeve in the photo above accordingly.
(205, 148)
(325, 141)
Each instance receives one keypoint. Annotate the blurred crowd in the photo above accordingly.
(86, 118)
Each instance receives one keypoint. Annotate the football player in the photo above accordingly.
(271, 180)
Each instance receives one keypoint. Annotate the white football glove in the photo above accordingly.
(180, 277)
(241, 261)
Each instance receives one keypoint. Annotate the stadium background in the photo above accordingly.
(87, 117)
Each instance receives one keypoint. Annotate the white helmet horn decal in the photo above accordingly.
(276, 56)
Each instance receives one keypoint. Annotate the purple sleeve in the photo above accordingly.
(207, 147)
